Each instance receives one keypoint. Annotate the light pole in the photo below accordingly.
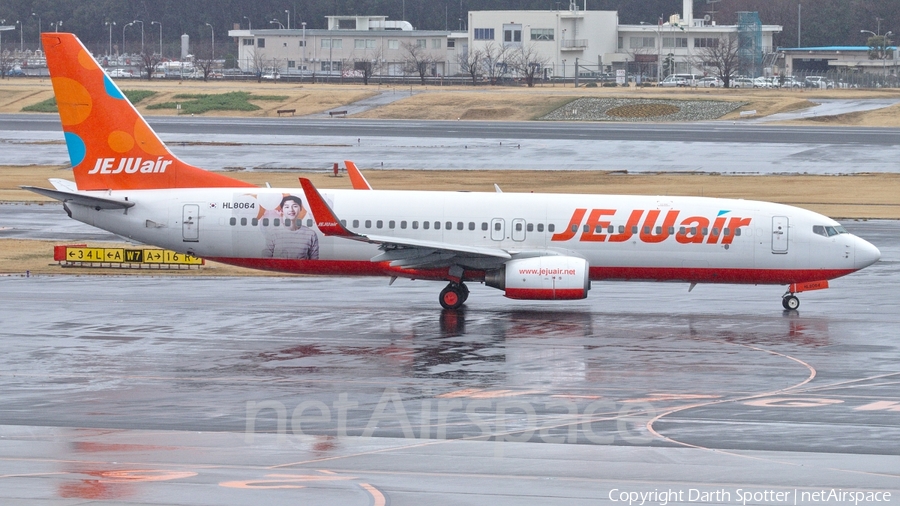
(884, 45)
(142, 33)
(40, 30)
(110, 24)
(123, 36)
(213, 32)
(276, 22)
(303, 24)
(56, 25)
(249, 26)
(160, 36)
(21, 35)
(288, 12)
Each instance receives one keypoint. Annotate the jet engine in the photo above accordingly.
(542, 278)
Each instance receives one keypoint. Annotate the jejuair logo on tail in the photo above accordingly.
(598, 227)
(130, 166)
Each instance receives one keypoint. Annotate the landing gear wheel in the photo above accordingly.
(453, 296)
(465, 292)
(790, 302)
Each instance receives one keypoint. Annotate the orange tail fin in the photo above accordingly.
(110, 145)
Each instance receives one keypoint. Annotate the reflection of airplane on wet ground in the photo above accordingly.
(532, 246)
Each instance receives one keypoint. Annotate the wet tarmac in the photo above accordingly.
(158, 390)
(303, 144)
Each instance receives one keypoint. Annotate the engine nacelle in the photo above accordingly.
(542, 278)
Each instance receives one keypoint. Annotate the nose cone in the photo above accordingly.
(866, 254)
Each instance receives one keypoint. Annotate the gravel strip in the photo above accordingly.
(595, 109)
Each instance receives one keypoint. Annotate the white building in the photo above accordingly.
(349, 43)
(561, 39)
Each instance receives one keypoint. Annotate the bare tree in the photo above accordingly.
(6, 63)
(367, 64)
(149, 61)
(417, 60)
(644, 59)
(528, 62)
(721, 58)
(203, 59)
(258, 64)
(470, 62)
(494, 63)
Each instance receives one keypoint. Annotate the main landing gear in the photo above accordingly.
(454, 295)
(790, 301)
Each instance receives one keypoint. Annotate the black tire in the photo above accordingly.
(464, 290)
(451, 297)
(790, 302)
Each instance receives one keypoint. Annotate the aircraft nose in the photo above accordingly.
(866, 254)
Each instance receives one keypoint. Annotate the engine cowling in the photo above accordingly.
(542, 278)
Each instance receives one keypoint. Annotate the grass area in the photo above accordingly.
(49, 105)
(201, 103)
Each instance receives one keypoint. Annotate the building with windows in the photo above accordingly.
(560, 43)
(345, 48)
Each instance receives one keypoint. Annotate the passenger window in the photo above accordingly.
(233, 221)
(460, 225)
(344, 222)
(379, 224)
(355, 223)
(530, 227)
(415, 225)
(403, 224)
(737, 231)
(287, 222)
(658, 230)
(621, 229)
(715, 231)
(437, 225)
(518, 227)
(727, 232)
(705, 231)
(368, 223)
(682, 231)
(265, 222)
(585, 228)
(551, 228)
(426, 225)
(254, 222)
(449, 226)
(497, 226)
(671, 230)
(276, 222)
(634, 230)
(484, 225)
(471, 225)
(391, 224)
(574, 228)
(693, 230)
(610, 229)
(243, 222)
(540, 227)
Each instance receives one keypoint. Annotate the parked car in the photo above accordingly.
(120, 73)
(741, 82)
(790, 82)
(271, 76)
(819, 82)
(710, 82)
(672, 81)
(762, 82)
(15, 72)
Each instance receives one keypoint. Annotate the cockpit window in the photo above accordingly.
(828, 231)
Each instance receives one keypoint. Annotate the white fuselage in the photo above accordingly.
(692, 239)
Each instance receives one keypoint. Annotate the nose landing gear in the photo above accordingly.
(790, 301)
(454, 295)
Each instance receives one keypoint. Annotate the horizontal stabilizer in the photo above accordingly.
(80, 198)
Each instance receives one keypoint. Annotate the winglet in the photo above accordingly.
(356, 178)
(325, 219)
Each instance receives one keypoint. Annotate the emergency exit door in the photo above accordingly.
(779, 234)
(190, 223)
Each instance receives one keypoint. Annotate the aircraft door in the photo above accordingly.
(190, 223)
(498, 226)
(779, 234)
(518, 229)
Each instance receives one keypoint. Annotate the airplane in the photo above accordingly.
(532, 246)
